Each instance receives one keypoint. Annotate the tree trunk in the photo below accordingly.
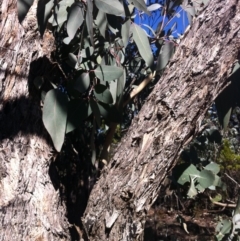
(170, 118)
(30, 207)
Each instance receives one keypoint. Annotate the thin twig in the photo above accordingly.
(232, 179)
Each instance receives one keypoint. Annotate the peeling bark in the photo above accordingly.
(30, 207)
(170, 118)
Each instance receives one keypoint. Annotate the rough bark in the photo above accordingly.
(170, 118)
(30, 206)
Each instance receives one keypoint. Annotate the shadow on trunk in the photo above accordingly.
(70, 171)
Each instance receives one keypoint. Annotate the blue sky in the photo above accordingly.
(180, 20)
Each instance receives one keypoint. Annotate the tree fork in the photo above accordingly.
(170, 117)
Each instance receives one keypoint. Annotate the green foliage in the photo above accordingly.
(43, 13)
(142, 43)
(108, 73)
(166, 53)
(140, 4)
(197, 171)
(227, 158)
(55, 116)
(230, 229)
(78, 111)
(106, 51)
(75, 19)
(111, 7)
(82, 82)
(201, 168)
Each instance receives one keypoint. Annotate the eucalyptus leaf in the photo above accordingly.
(142, 43)
(101, 22)
(111, 7)
(103, 94)
(236, 67)
(108, 73)
(72, 60)
(125, 32)
(206, 178)
(67, 40)
(82, 82)
(113, 89)
(190, 171)
(61, 14)
(140, 5)
(78, 110)
(154, 7)
(87, 52)
(147, 26)
(223, 228)
(23, 7)
(75, 19)
(55, 116)
(166, 53)
(44, 9)
(110, 112)
(213, 167)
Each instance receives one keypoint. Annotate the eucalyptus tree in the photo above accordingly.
(95, 38)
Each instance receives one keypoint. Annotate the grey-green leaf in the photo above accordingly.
(23, 7)
(87, 52)
(82, 82)
(111, 7)
(43, 13)
(101, 22)
(75, 19)
(72, 60)
(154, 7)
(236, 67)
(126, 32)
(108, 73)
(55, 116)
(78, 110)
(140, 5)
(109, 112)
(223, 228)
(213, 167)
(142, 43)
(166, 53)
(185, 176)
(61, 13)
(103, 94)
(206, 178)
